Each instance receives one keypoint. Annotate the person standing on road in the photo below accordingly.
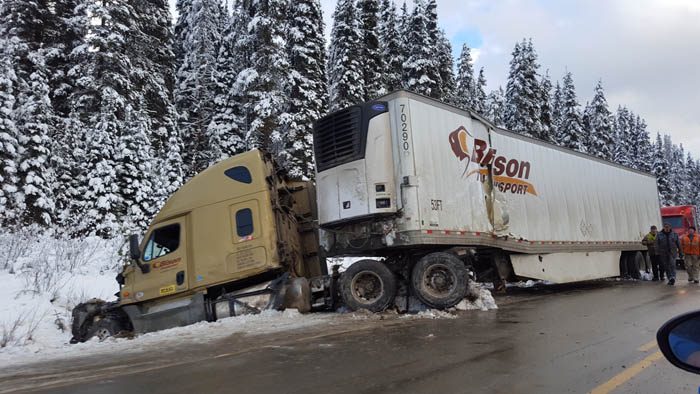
(649, 241)
(668, 247)
(690, 243)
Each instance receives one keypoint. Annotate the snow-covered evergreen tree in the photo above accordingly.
(194, 89)
(479, 104)
(465, 83)
(404, 26)
(421, 69)
(22, 25)
(678, 175)
(266, 100)
(446, 68)
(8, 139)
(660, 168)
(103, 103)
(170, 169)
(688, 193)
(545, 107)
(225, 132)
(154, 57)
(371, 54)
(598, 125)
(695, 183)
(557, 110)
(344, 69)
(496, 107)
(135, 172)
(643, 153)
(36, 123)
(390, 43)
(522, 91)
(183, 8)
(440, 49)
(623, 135)
(307, 91)
(571, 128)
(102, 200)
(28, 33)
(63, 32)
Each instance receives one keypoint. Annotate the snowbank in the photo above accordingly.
(264, 323)
(42, 280)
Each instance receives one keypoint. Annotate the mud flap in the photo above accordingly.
(298, 295)
(504, 271)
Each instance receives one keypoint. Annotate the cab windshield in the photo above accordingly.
(674, 221)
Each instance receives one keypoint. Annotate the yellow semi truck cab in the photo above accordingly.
(237, 225)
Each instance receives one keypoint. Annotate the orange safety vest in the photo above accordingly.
(691, 247)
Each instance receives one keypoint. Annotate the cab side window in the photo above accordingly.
(244, 222)
(240, 174)
(163, 240)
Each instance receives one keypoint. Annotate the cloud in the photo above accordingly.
(644, 51)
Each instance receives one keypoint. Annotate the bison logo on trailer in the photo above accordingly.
(509, 175)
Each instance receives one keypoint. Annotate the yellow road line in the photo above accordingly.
(648, 346)
(627, 374)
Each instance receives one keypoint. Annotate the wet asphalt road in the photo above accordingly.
(564, 339)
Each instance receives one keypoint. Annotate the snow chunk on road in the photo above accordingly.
(478, 298)
(431, 314)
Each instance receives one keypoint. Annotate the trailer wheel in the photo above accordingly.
(439, 280)
(105, 328)
(368, 284)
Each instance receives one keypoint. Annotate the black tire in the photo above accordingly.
(368, 284)
(105, 328)
(439, 280)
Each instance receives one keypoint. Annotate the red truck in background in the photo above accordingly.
(680, 217)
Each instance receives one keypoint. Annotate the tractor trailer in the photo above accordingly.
(423, 191)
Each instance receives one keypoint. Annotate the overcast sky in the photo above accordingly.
(647, 52)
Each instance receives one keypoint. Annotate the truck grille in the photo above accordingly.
(338, 138)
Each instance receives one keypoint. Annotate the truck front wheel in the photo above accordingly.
(439, 280)
(368, 284)
(105, 328)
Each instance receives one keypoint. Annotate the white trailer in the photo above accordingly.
(426, 185)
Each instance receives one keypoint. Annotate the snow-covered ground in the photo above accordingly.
(44, 278)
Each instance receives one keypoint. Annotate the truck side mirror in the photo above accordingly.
(679, 341)
(134, 251)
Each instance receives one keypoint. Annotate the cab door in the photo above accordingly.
(251, 238)
(164, 250)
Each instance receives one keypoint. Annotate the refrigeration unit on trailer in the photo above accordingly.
(427, 189)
